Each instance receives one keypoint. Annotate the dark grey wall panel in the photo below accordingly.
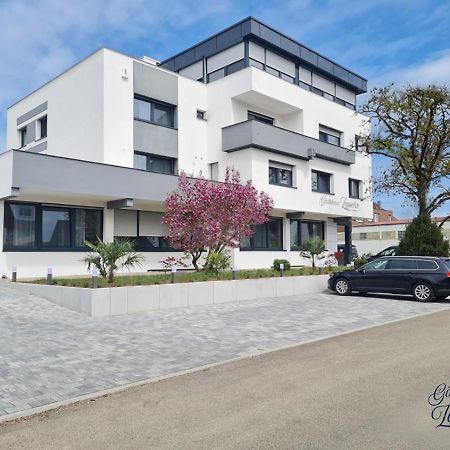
(155, 139)
(278, 140)
(253, 29)
(34, 112)
(31, 133)
(70, 176)
(155, 83)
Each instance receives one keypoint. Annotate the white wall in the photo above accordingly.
(75, 111)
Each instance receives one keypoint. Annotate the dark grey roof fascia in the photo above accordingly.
(254, 29)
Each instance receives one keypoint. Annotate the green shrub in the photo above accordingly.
(277, 262)
(217, 260)
(361, 260)
(423, 238)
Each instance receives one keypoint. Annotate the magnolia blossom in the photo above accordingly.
(203, 214)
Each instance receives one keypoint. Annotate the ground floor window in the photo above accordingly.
(301, 230)
(33, 226)
(144, 228)
(267, 236)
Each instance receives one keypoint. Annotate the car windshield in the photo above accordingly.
(388, 251)
(377, 264)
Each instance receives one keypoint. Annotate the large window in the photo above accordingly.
(267, 236)
(280, 176)
(153, 163)
(23, 136)
(353, 188)
(154, 112)
(144, 228)
(301, 230)
(39, 227)
(320, 182)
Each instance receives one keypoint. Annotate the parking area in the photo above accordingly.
(49, 354)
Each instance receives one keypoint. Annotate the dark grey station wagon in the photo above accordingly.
(425, 278)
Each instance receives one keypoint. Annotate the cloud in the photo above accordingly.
(434, 70)
(38, 40)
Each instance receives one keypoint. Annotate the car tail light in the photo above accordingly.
(448, 274)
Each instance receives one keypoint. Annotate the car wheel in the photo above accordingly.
(342, 286)
(423, 292)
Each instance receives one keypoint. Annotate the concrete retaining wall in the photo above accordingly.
(135, 299)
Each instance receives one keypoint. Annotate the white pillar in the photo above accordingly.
(108, 225)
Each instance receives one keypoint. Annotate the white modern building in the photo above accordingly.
(96, 150)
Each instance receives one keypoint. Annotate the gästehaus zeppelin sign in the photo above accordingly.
(344, 202)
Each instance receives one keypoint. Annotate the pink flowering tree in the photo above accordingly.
(205, 216)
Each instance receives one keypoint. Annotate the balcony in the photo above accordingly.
(284, 142)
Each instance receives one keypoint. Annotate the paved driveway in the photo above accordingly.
(49, 354)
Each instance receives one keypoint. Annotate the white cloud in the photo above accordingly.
(38, 40)
(434, 70)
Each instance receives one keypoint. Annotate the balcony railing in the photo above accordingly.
(254, 134)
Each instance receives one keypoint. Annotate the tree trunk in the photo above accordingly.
(110, 277)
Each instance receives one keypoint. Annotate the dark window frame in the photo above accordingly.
(358, 187)
(39, 246)
(149, 156)
(154, 103)
(319, 173)
(23, 136)
(325, 137)
(299, 231)
(258, 117)
(278, 175)
(252, 247)
(43, 120)
(227, 70)
(139, 247)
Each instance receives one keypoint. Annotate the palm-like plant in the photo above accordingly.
(313, 248)
(107, 257)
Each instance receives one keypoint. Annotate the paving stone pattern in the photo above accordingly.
(49, 353)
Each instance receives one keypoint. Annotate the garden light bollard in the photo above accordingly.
(234, 270)
(173, 274)
(49, 276)
(94, 278)
(281, 270)
(14, 274)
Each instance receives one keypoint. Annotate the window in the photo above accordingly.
(402, 264)
(153, 163)
(376, 217)
(320, 181)
(378, 264)
(329, 135)
(23, 136)
(227, 70)
(257, 64)
(427, 264)
(154, 112)
(214, 171)
(353, 188)
(301, 230)
(43, 127)
(19, 226)
(42, 227)
(267, 236)
(55, 227)
(260, 118)
(400, 235)
(201, 114)
(280, 176)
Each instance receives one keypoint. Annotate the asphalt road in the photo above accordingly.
(367, 389)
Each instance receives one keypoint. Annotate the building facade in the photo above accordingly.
(95, 151)
(374, 237)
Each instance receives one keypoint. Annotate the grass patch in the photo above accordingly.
(182, 277)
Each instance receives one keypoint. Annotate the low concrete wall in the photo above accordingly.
(135, 299)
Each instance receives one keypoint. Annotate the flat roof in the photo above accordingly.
(254, 29)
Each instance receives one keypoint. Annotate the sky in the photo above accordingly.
(401, 41)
